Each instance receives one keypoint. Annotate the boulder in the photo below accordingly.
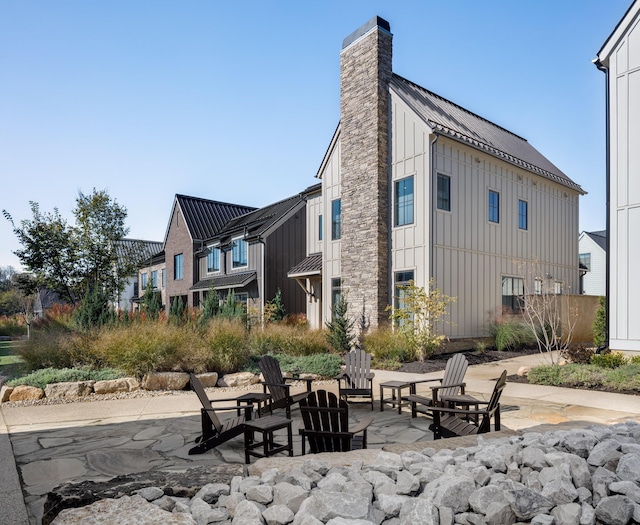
(165, 381)
(238, 379)
(69, 389)
(112, 386)
(5, 393)
(208, 379)
(26, 393)
(523, 371)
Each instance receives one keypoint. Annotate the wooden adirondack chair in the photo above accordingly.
(326, 424)
(277, 386)
(356, 381)
(451, 384)
(449, 421)
(214, 431)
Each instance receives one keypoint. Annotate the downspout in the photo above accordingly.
(432, 215)
(605, 70)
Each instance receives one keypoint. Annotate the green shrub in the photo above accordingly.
(12, 326)
(324, 365)
(546, 375)
(227, 347)
(47, 376)
(51, 349)
(610, 360)
(600, 324)
(284, 339)
(510, 333)
(388, 348)
(339, 333)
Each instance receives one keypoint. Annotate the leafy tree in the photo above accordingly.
(418, 315)
(600, 324)
(151, 302)
(340, 329)
(72, 258)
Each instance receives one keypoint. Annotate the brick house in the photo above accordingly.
(413, 187)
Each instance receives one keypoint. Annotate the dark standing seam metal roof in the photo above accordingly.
(447, 118)
(205, 218)
(232, 280)
(144, 250)
(256, 223)
(310, 265)
(600, 238)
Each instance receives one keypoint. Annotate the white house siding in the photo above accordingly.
(330, 176)
(621, 54)
(594, 281)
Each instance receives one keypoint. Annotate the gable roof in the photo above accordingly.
(143, 251)
(447, 118)
(204, 218)
(258, 223)
(618, 32)
(599, 237)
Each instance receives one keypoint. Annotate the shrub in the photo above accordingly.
(284, 339)
(324, 365)
(95, 309)
(52, 349)
(227, 347)
(510, 333)
(12, 326)
(340, 334)
(388, 347)
(600, 324)
(47, 376)
(610, 360)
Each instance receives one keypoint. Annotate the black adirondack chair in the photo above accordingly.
(214, 431)
(449, 421)
(326, 424)
(278, 387)
(356, 381)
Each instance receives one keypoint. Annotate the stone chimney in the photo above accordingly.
(365, 72)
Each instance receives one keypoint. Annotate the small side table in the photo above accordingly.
(396, 394)
(266, 426)
(261, 400)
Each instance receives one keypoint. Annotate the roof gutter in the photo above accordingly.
(605, 70)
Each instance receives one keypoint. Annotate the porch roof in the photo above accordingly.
(232, 280)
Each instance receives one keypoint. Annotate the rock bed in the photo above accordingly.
(578, 477)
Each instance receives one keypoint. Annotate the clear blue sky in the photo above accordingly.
(237, 101)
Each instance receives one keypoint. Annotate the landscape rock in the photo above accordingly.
(5, 393)
(112, 386)
(26, 393)
(69, 389)
(208, 379)
(165, 381)
(237, 380)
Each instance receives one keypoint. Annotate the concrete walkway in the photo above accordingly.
(42, 447)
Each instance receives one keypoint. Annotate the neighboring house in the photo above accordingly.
(592, 247)
(143, 250)
(193, 221)
(250, 256)
(416, 187)
(153, 270)
(619, 58)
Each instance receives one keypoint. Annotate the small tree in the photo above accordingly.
(417, 316)
(210, 305)
(177, 311)
(340, 335)
(600, 324)
(274, 310)
(95, 309)
(151, 302)
(231, 308)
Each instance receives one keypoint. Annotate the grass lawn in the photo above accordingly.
(11, 365)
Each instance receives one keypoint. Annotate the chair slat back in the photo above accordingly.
(453, 374)
(272, 373)
(494, 403)
(357, 366)
(197, 387)
(326, 420)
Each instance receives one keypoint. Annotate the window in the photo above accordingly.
(494, 206)
(239, 253)
(336, 219)
(164, 278)
(444, 192)
(178, 268)
(336, 293)
(404, 201)
(401, 279)
(144, 279)
(585, 260)
(213, 259)
(557, 288)
(320, 227)
(513, 293)
(154, 279)
(523, 215)
(537, 286)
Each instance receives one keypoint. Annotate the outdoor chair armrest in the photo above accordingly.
(363, 425)
(243, 407)
(371, 375)
(282, 385)
(425, 381)
(456, 410)
(462, 385)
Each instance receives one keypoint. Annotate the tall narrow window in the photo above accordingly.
(401, 279)
(513, 294)
(336, 293)
(319, 227)
(523, 215)
(537, 285)
(444, 192)
(213, 259)
(494, 206)
(239, 253)
(144, 279)
(164, 277)
(404, 201)
(336, 219)
(154, 279)
(585, 261)
(178, 269)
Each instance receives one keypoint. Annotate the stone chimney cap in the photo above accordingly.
(376, 21)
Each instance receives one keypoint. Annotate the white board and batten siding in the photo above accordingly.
(465, 253)
(594, 280)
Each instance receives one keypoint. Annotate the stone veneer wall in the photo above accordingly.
(365, 72)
